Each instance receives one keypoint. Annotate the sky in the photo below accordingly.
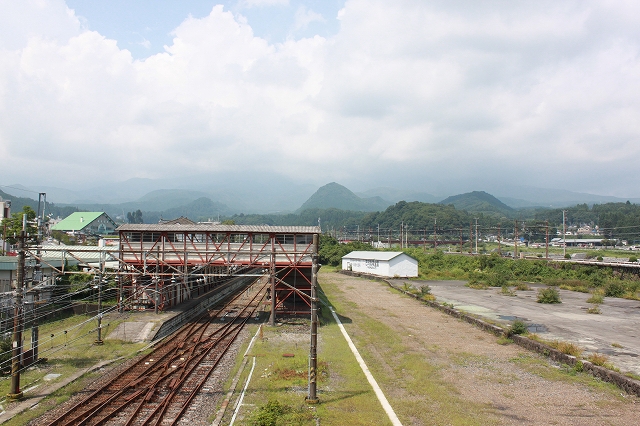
(421, 95)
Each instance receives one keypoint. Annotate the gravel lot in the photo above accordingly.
(482, 371)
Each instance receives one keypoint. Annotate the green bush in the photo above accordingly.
(518, 327)
(633, 259)
(599, 259)
(548, 295)
(274, 413)
(567, 256)
(615, 289)
(496, 280)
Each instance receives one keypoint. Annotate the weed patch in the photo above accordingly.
(548, 295)
(598, 359)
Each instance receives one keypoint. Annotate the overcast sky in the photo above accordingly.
(413, 94)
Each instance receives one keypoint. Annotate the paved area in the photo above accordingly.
(615, 332)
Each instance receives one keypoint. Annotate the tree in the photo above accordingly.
(14, 224)
(135, 217)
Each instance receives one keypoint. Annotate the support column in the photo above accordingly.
(312, 398)
(272, 277)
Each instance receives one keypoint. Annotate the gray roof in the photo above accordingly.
(373, 255)
(198, 227)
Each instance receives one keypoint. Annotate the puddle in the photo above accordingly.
(537, 328)
(533, 328)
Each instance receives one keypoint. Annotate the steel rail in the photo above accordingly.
(228, 335)
(137, 373)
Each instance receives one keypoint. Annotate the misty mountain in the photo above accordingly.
(393, 195)
(479, 202)
(336, 196)
(528, 196)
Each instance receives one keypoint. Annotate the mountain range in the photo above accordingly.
(206, 201)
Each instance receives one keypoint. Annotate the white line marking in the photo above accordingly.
(246, 385)
(383, 399)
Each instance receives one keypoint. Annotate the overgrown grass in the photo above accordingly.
(67, 353)
(346, 397)
(598, 359)
(493, 271)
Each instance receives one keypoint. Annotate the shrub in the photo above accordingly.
(594, 310)
(518, 327)
(425, 289)
(548, 295)
(496, 280)
(507, 291)
(522, 286)
(274, 413)
(633, 259)
(596, 297)
(615, 289)
(268, 414)
(599, 259)
(567, 256)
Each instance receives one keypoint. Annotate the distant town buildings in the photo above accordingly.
(87, 223)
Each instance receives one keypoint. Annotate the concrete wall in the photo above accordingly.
(401, 266)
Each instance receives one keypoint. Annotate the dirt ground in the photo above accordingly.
(517, 386)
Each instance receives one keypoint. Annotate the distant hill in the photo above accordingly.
(17, 203)
(201, 209)
(479, 202)
(394, 195)
(336, 196)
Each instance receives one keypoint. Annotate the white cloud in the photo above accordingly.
(304, 17)
(411, 88)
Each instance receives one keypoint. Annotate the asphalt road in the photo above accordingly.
(615, 332)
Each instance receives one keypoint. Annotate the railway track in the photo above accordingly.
(159, 388)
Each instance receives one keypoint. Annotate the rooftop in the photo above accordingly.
(199, 227)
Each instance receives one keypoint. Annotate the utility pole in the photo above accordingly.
(476, 235)
(470, 237)
(100, 265)
(312, 398)
(16, 355)
(499, 247)
(37, 276)
(272, 276)
(546, 240)
(401, 235)
(515, 239)
(435, 234)
(564, 234)
(460, 240)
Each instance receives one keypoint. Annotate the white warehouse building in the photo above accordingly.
(382, 263)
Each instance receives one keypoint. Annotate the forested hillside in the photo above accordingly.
(17, 203)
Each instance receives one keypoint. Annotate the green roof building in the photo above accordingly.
(86, 223)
